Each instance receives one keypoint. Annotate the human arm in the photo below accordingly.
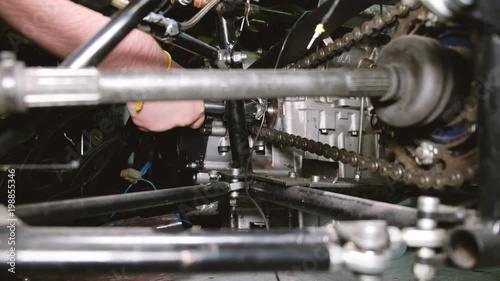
(61, 26)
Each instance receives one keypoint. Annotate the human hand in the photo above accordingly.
(159, 116)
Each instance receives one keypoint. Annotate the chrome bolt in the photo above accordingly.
(238, 57)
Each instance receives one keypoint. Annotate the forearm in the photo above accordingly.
(61, 26)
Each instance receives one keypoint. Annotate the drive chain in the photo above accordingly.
(423, 179)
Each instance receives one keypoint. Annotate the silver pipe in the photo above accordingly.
(196, 18)
(215, 107)
(300, 216)
(361, 124)
(49, 87)
(56, 251)
(122, 4)
(360, 134)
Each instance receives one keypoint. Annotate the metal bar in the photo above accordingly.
(89, 251)
(361, 124)
(334, 205)
(360, 134)
(227, 35)
(93, 52)
(488, 96)
(113, 237)
(67, 210)
(48, 87)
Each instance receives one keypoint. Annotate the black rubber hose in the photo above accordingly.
(90, 155)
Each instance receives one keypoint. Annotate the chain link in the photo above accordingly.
(423, 179)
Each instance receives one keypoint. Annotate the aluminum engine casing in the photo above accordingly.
(327, 120)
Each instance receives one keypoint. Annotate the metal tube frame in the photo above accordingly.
(489, 128)
(63, 251)
(59, 251)
(478, 245)
(332, 205)
(72, 209)
(93, 52)
(52, 87)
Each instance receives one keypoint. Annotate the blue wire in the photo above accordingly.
(128, 188)
(182, 220)
(146, 168)
(150, 183)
